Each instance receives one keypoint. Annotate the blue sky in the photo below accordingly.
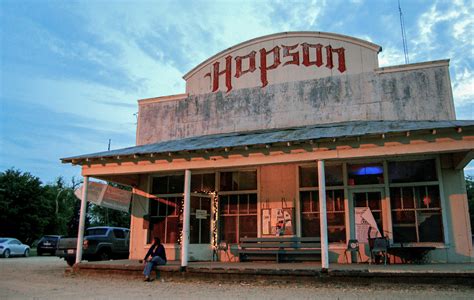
(71, 71)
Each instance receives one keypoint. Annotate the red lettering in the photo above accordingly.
(341, 58)
(319, 55)
(295, 55)
(227, 72)
(238, 64)
(263, 63)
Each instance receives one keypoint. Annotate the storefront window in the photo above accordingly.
(416, 214)
(309, 175)
(310, 221)
(412, 171)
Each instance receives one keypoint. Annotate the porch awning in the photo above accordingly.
(272, 136)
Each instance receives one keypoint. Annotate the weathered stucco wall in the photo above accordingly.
(422, 92)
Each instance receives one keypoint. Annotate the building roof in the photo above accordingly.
(271, 136)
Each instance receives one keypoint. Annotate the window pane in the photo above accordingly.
(224, 204)
(226, 181)
(315, 201)
(374, 199)
(308, 176)
(173, 230)
(421, 198)
(412, 171)
(228, 230)
(305, 198)
(206, 204)
(206, 230)
(243, 204)
(365, 174)
(233, 204)
(395, 198)
(194, 230)
(196, 183)
(333, 175)
(208, 182)
(252, 203)
(248, 180)
(153, 211)
(157, 228)
(339, 200)
(310, 225)
(403, 217)
(248, 226)
(434, 198)
(405, 234)
(176, 184)
(160, 185)
(195, 204)
(431, 226)
(360, 199)
(336, 227)
(407, 197)
(330, 201)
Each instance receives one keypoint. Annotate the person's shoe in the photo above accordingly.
(147, 279)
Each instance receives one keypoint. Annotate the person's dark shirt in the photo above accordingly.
(156, 250)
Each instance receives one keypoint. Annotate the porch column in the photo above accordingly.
(82, 220)
(323, 217)
(186, 220)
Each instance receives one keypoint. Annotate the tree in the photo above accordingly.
(470, 198)
(24, 207)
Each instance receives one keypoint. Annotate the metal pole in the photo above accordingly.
(82, 220)
(323, 217)
(186, 220)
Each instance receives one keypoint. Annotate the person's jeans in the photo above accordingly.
(155, 261)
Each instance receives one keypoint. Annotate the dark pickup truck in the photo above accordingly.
(100, 243)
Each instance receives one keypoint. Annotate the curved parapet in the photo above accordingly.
(282, 57)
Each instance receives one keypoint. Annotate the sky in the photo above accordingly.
(71, 72)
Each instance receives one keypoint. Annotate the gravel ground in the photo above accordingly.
(45, 278)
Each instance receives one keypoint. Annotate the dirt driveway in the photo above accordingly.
(45, 278)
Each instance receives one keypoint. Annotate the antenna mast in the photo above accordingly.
(404, 38)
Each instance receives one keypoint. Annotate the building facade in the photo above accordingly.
(270, 126)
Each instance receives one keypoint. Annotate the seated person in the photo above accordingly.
(156, 255)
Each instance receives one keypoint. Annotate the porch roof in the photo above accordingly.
(271, 136)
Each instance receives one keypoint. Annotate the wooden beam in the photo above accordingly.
(461, 159)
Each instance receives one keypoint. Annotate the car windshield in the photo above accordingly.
(50, 238)
(3, 241)
(96, 231)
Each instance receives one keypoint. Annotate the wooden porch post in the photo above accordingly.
(323, 217)
(186, 220)
(82, 220)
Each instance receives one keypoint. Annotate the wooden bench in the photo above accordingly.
(280, 249)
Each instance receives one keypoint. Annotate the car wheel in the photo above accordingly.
(6, 254)
(27, 253)
(104, 255)
(70, 261)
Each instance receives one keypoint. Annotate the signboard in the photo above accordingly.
(201, 214)
(364, 221)
(277, 221)
(283, 57)
(107, 196)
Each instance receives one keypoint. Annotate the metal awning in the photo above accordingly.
(271, 136)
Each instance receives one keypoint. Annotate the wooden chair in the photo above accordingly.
(352, 246)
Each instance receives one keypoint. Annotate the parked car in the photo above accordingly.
(13, 247)
(48, 244)
(100, 243)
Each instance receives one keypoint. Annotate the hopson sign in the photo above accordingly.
(274, 58)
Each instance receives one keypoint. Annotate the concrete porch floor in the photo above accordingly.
(299, 271)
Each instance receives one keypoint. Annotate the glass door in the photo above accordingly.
(367, 213)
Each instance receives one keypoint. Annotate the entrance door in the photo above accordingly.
(367, 213)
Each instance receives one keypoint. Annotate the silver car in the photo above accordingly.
(13, 247)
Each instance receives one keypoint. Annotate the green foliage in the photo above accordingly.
(29, 209)
(24, 206)
(470, 198)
